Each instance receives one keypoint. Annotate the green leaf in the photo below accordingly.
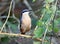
(48, 11)
(56, 23)
(56, 29)
(46, 17)
(53, 8)
(34, 0)
(40, 23)
(49, 1)
(38, 32)
(49, 28)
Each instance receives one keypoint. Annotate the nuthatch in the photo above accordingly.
(25, 21)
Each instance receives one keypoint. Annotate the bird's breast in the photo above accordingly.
(26, 23)
(26, 19)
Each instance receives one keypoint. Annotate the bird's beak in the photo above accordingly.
(30, 12)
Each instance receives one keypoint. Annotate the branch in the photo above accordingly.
(18, 35)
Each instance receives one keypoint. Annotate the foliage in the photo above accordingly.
(48, 21)
(49, 1)
(38, 32)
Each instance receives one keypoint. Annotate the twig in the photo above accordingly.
(7, 16)
(54, 18)
(45, 33)
(36, 27)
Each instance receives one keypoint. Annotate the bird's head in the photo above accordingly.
(25, 11)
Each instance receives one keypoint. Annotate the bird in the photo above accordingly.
(25, 21)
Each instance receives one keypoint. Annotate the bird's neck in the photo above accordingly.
(25, 15)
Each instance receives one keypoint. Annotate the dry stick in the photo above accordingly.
(18, 35)
(7, 16)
